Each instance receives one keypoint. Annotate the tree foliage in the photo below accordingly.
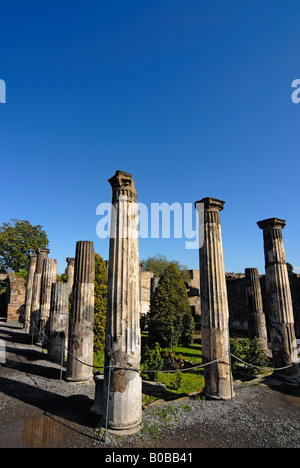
(100, 297)
(170, 317)
(18, 239)
(159, 263)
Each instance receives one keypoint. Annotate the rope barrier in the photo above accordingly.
(168, 371)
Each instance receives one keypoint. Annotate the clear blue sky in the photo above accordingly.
(193, 97)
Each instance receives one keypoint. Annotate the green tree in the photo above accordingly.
(18, 239)
(170, 318)
(159, 263)
(100, 296)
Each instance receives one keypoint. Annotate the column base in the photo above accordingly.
(129, 430)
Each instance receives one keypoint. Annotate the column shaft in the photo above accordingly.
(280, 309)
(36, 292)
(59, 322)
(81, 336)
(256, 317)
(214, 305)
(48, 279)
(122, 339)
(29, 286)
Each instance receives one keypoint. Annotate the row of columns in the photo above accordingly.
(119, 395)
(214, 304)
(47, 316)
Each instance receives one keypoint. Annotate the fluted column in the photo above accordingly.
(256, 317)
(36, 292)
(70, 271)
(48, 279)
(214, 304)
(122, 338)
(81, 336)
(29, 286)
(59, 322)
(280, 309)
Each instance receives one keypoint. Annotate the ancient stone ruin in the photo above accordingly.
(61, 315)
(122, 380)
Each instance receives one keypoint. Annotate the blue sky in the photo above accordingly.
(192, 97)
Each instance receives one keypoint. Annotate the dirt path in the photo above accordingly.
(40, 410)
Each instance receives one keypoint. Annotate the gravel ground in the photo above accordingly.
(40, 410)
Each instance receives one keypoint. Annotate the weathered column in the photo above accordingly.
(256, 317)
(70, 271)
(36, 292)
(48, 279)
(214, 304)
(280, 309)
(29, 285)
(153, 285)
(122, 337)
(59, 322)
(81, 336)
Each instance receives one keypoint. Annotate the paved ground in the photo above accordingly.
(39, 410)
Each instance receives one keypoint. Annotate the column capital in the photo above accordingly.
(70, 260)
(40, 251)
(271, 223)
(122, 184)
(211, 204)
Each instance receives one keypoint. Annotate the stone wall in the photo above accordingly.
(237, 298)
(15, 297)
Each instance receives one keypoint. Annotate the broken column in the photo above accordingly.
(256, 317)
(70, 271)
(123, 397)
(59, 322)
(48, 279)
(81, 336)
(214, 304)
(280, 309)
(36, 292)
(29, 285)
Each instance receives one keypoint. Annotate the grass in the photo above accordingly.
(191, 381)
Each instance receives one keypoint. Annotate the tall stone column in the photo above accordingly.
(81, 335)
(214, 304)
(49, 276)
(59, 322)
(36, 292)
(256, 317)
(122, 337)
(70, 271)
(280, 309)
(29, 286)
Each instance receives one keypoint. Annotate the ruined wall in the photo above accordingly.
(145, 291)
(237, 298)
(15, 296)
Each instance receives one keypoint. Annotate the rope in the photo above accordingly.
(169, 371)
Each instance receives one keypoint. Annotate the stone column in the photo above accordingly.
(29, 285)
(153, 285)
(81, 335)
(122, 336)
(48, 279)
(59, 322)
(70, 271)
(36, 292)
(214, 304)
(256, 317)
(280, 309)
